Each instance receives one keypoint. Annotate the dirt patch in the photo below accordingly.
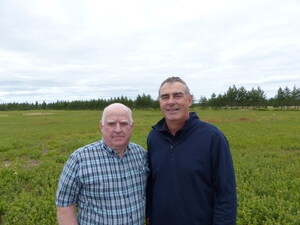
(33, 163)
(212, 121)
(37, 114)
(44, 149)
(7, 163)
(243, 119)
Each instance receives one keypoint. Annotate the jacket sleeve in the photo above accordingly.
(225, 208)
(148, 188)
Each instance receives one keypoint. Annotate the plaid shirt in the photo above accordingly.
(107, 189)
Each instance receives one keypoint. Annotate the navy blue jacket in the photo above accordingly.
(192, 179)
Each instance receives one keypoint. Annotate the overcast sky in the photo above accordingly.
(80, 50)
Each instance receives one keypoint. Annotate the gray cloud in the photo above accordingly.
(51, 50)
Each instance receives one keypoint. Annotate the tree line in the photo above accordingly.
(233, 98)
(255, 98)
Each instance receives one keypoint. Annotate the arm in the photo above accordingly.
(67, 193)
(224, 183)
(66, 215)
(147, 221)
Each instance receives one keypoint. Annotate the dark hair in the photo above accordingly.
(173, 80)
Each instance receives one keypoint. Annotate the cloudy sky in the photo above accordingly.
(88, 49)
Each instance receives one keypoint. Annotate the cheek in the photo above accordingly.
(128, 131)
(162, 106)
(106, 132)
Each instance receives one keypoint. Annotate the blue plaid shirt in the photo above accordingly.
(107, 189)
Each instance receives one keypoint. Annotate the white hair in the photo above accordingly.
(107, 108)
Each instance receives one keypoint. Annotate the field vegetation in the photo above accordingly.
(34, 146)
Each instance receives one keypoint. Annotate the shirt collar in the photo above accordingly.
(162, 125)
(113, 152)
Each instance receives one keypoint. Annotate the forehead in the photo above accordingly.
(117, 115)
(171, 88)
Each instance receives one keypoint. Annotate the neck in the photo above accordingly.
(120, 151)
(120, 154)
(174, 126)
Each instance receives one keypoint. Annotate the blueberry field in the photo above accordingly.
(34, 146)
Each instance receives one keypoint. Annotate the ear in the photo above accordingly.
(190, 100)
(100, 125)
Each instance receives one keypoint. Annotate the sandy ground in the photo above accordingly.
(37, 114)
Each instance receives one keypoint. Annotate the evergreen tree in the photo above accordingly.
(279, 98)
(231, 96)
(287, 95)
(203, 102)
(296, 97)
(242, 97)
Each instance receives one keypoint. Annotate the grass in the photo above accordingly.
(34, 146)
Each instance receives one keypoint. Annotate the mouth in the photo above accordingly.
(172, 110)
(118, 137)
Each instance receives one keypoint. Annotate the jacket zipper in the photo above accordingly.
(171, 148)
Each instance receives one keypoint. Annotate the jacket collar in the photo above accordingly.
(161, 126)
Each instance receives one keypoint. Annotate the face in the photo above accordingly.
(116, 128)
(174, 102)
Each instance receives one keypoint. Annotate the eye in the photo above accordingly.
(164, 97)
(124, 124)
(178, 95)
(111, 124)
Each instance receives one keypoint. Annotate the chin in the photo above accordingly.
(172, 118)
(171, 114)
(119, 143)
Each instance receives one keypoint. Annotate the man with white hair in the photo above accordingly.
(104, 182)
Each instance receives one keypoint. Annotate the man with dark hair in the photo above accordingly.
(192, 180)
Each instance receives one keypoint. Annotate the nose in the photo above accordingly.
(118, 127)
(171, 100)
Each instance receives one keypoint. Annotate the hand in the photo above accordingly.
(147, 221)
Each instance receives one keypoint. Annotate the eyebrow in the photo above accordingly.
(113, 121)
(175, 93)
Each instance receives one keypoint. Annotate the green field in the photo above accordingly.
(34, 145)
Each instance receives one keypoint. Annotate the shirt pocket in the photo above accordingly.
(96, 189)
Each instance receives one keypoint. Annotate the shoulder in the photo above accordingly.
(137, 153)
(152, 132)
(87, 150)
(136, 148)
(206, 128)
